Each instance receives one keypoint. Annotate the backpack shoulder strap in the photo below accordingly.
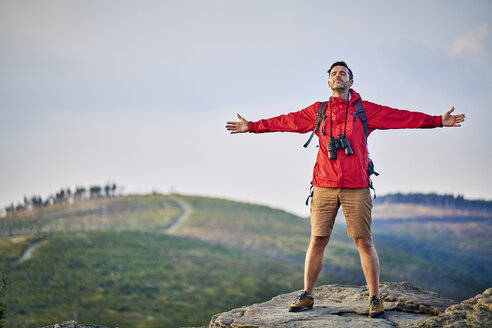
(319, 118)
(359, 111)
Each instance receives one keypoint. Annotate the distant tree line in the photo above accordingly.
(446, 200)
(63, 196)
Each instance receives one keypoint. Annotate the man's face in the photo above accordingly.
(339, 78)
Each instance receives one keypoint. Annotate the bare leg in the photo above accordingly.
(314, 261)
(370, 264)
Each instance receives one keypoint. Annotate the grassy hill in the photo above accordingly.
(448, 255)
(137, 279)
(110, 261)
(141, 213)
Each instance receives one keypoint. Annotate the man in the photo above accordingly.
(341, 174)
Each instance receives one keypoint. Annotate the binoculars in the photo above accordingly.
(340, 143)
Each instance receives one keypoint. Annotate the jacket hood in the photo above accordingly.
(354, 96)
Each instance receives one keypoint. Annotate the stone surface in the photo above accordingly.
(474, 312)
(73, 324)
(340, 306)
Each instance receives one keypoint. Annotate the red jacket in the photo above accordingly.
(346, 171)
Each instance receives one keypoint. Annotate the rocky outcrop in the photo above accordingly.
(340, 306)
(474, 312)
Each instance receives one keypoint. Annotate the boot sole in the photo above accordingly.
(376, 315)
(300, 308)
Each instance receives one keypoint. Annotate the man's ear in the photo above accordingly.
(329, 84)
(351, 82)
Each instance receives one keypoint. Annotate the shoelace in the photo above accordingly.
(375, 301)
(301, 297)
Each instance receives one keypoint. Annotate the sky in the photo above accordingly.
(138, 93)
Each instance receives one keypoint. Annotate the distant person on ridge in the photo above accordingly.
(342, 171)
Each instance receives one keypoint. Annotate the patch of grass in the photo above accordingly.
(137, 279)
(246, 225)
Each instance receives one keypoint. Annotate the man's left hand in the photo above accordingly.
(452, 120)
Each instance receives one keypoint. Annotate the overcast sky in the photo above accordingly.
(138, 93)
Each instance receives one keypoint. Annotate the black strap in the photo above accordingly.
(310, 194)
(319, 117)
(362, 116)
(359, 111)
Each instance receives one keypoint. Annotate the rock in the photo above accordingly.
(73, 324)
(474, 312)
(340, 306)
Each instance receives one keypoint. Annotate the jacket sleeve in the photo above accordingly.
(383, 117)
(301, 121)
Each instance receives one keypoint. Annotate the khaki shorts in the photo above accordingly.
(356, 204)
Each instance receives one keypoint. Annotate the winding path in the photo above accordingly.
(183, 216)
(30, 250)
(186, 212)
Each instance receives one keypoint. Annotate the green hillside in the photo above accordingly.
(138, 279)
(450, 256)
(110, 261)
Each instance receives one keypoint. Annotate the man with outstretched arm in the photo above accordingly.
(342, 171)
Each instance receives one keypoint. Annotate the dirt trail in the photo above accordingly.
(186, 212)
(30, 250)
(182, 218)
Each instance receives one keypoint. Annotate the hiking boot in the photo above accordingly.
(376, 309)
(303, 302)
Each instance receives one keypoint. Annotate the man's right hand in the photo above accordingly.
(238, 127)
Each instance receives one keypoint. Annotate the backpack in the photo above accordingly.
(359, 111)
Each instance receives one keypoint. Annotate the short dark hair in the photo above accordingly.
(344, 64)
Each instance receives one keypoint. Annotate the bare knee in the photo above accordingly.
(319, 242)
(364, 244)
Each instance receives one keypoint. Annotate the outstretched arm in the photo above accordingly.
(383, 117)
(238, 127)
(301, 122)
(452, 120)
